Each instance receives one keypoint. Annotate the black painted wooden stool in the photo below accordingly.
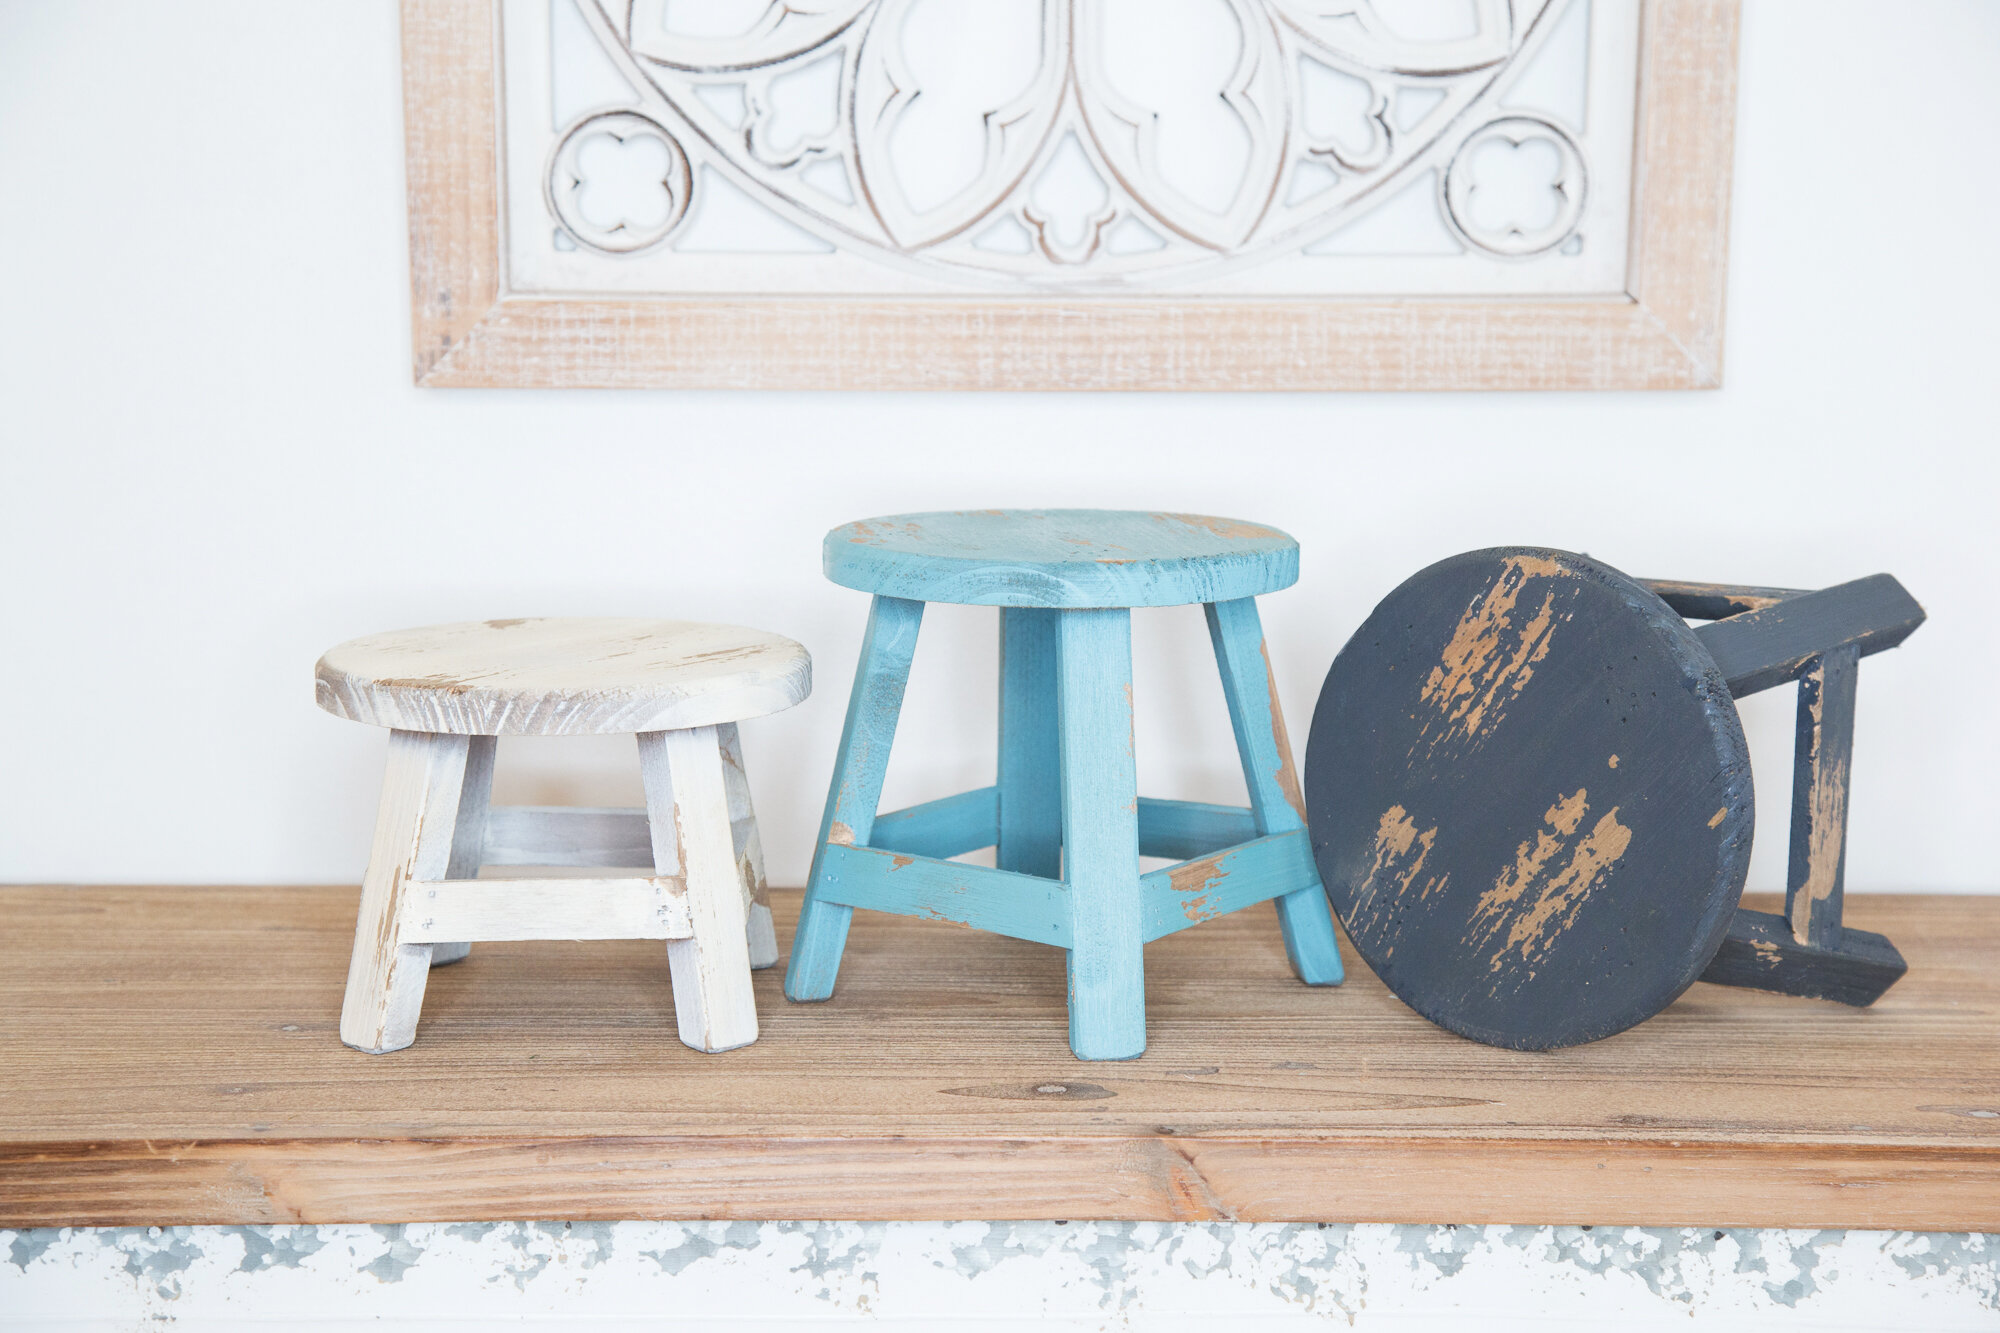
(1531, 803)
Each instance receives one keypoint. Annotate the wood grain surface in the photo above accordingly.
(171, 1056)
(562, 676)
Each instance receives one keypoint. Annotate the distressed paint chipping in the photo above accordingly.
(1532, 907)
(1826, 815)
(1230, 529)
(1083, 1274)
(1193, 876)
(1488, 662)
(1395, 835)
(1287, 775)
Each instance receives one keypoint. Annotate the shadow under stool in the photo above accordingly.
(1064, 815)
(448, 692)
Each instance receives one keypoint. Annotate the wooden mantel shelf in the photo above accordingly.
(170, 1056)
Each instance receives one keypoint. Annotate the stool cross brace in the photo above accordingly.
(423, 905)
(1065, 819)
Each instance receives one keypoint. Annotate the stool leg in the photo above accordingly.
(687, 808)
(414, 828)
(468, 839)
(1266, 752)
(851, 802)
(1100, 804)
(1030, 779)
(750, 856)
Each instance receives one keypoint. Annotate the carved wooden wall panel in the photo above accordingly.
(1070, 193)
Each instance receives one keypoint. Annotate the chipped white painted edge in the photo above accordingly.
(469, 331)
(687, 803)
(561, 676)
(469, 831)
(749, 847)
(414, 829)
(650, 908)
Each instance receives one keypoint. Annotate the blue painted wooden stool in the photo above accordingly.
(1065, 815)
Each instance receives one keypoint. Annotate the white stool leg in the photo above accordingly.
(687, 807)
(468, 839)
(750, 856)
(414, 830)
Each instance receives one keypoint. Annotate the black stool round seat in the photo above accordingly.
(1530, 798)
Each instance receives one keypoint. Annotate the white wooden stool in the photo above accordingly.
(449, 691)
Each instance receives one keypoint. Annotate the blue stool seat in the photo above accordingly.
(1064, 814)
(1068, 558)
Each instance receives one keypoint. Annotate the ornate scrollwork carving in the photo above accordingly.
(1065, 110)
(1511, 238)
(567, 181)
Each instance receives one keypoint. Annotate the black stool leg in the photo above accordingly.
(1807, 951)
(1763, 637)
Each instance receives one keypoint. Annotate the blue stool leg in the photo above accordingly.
(1266, 752)
(1100, 802)
(1030, 763)
(872, 710)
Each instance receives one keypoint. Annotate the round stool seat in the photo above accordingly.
(562, 677)
(1061, 558)
(1530, 798)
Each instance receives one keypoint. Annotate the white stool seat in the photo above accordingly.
(562, 677)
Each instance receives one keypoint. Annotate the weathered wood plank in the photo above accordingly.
(177, 1062)
(1157, 1176)
(654, 908)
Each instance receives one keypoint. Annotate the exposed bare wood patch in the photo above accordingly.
(1532, 908)
(1488, 660)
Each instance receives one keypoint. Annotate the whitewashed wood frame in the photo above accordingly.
(896, 308)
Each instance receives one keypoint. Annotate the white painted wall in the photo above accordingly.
(213, 466)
